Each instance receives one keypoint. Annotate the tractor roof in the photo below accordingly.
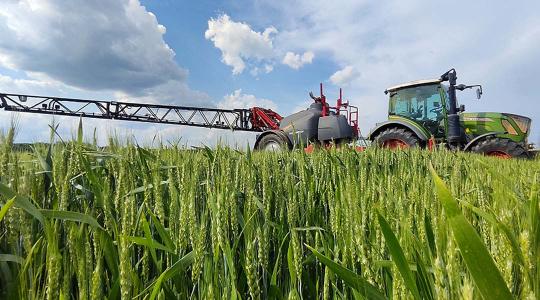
(411, 83)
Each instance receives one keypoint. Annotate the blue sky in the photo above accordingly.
(244, 53)
(186, 24)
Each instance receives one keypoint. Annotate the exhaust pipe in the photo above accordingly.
(454, 128)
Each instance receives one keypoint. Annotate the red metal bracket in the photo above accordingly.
(265, 119)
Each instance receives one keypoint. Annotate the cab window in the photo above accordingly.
(418, 103)
(422, 104)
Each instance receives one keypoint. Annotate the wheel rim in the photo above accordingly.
(395, 144)
(499, 154)
(272, 147)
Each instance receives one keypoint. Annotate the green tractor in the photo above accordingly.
(425, 113)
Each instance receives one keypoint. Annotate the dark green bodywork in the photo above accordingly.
(474, 124)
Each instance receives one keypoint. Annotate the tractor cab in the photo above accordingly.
(421, 102)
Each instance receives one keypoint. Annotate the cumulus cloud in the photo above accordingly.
(344, 76)
(296, 61)
(106, 50)
(267, 68)
(242, 47)
(238, 43)
(94, 45)
(11, 85)
(239, 100)
(172, 92)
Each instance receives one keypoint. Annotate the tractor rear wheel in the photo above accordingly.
(272, 142)
(397, 138)
(500, 147)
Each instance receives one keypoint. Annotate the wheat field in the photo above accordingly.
(82, 222)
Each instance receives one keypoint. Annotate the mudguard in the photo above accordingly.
(397, 123)
(479, 138)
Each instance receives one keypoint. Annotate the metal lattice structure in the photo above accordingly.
(232, 119)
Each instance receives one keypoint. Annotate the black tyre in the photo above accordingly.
(397, 138)
(500, 147)
(272, 142)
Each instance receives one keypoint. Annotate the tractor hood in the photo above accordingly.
(477, 123)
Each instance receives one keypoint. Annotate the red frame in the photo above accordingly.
(350, 111)
(265, 119)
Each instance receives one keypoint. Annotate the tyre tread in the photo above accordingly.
(500, 144)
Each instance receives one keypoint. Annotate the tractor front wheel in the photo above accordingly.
(397, 138)
(500, 147)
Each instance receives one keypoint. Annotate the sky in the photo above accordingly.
(266, 53)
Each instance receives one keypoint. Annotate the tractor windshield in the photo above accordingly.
(421, 104)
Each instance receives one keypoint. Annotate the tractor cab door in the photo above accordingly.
(422, 104)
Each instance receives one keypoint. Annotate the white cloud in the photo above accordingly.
(239, 43)
(296, 61)
(255, 71)
(239, 100)
(172, 92)
(105, 50)
(10, 85)
(243, 47)
(268, 68)
(114, 46)
(343, 77)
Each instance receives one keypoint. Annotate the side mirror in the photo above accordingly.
(461, 108)
(479, 93)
